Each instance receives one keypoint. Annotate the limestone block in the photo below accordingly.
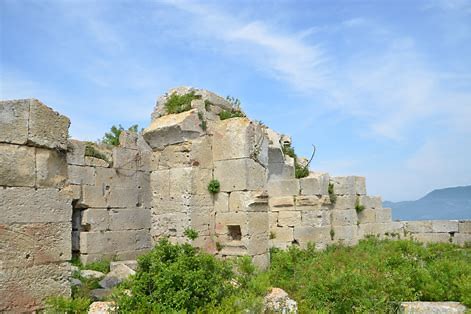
(257, 223)
(24, 245)
(214, 99)
(371, 201)
(383, 215)
(281, 202)
(283, 187)
(155, 160)
(201, 221)
(124, 158)
(275, 154)
(122, 198)
(75, 152)
(344, 217)
(305, 235)
(121, 255)
(119, 178)
(315, 218)
(24, 289)
(418, 226)
(14, 116)
(93, 196)
(261, 261)
(27, 205)
(47, 128)
(239, 138)
(346, 234)
(201, 152)
(380, 229)
(172, 129)
(170, 224)
(95, 219)
(272, 219)
(51, 168)
(282, 235)
(248, 201)
(432, 237)
(310, 202)
(200, 179)
(17, 165)
(239, 175)
(315, 184)
(464, 226)
(257, 246)
(144, 192)
(221, 202)
(445, 226)
(176, 156)
(280, 171)
(462, 239)
(128, 139)
(114, 241)
(289, 218)
(81, 175)
(431, 307)
(160, 183)
(345, 202)
(368, 215)
(231, 219)
(129, 263)
(351, 185)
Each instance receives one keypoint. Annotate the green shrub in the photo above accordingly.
(112, 137)
(358, 207)
(67, 305)
(300, 171)
(92, 151)
(180, 103)
(332, 195)
(225, 114)
(191, 233)
(289, 150)
(214, 186)
(175, 277)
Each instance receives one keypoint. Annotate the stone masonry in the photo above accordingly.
(62, 198)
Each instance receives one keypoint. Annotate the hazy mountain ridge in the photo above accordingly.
(447, 203)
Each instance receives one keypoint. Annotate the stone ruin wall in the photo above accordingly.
(61, 198)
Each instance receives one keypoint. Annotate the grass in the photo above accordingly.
(180, 103)
(92, 151)
(226, 114)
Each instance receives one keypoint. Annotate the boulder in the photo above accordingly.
(89, 274)
(431, 307)
(278, 301)
(100, 294)
(101, 308)
(119, 273)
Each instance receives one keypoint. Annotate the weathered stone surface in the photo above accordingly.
(431, 237)
(315, 218)
(248, 201)
(129, 219)
(96, 219)
(35, 243)
(345, 202)
(464, 226)
(462, 239)
(130, 263)
(122, 198)
(432, 307)
(380, 229)
(239, 175)
(172, 129)
(283, 187)
(282, 235)
(114, 241)
(116, 276)
(51, 168)
(371, 201)
(315, 184)
(100, 294)
(231, 219)
(283, 201)
(368, 215)
(289, 218)
(124, 158)
(91, 274)
(445, 226)
(96, 162)
(344, 217)
(278, 301)
(383, 215)
(75, 152)
(81, 175)
(46, 127)
(17, 165)
(102, 307)
(20, 205)
(281, 170)
(37, 283)
(307, 234)
(351, 185)
(93, 196)
(14, 116)
(221, 202)
(346, 234)
(418, 226)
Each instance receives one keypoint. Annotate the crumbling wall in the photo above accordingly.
(35, 208)
(111, 185)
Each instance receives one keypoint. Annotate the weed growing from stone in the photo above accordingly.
(332, 195)
(203, 124)
(225, 114)
(358, 207)
(92, 151)
(214, 186)
(180, 103)
(207, 104)
(191, 233)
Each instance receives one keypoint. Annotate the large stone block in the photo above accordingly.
(24, 289)
(95, 219)
(35, 243)
(431, 307)
(283, 235)
(223, 220)
(448, 226)
(305, 235)
(47, 128)
(283, 187)
(248, 201)
(14, 116)
(171, 224)
(368, 215)
(17, 165)
(371, 201)
(114, 241)
(175, 156)
(130, 219)
(172, 129)
(257, 223)
(122, 198)
(418, 226)
(383, 215)
(345, 202)
(124, 158)
(462, 239)
(315, 184)
(282, 202)
(239, 174)
(27, 205)
(464, 226)
(380, 229)
(432, 237)
(81, 175)
(344, 217)
(315, 218)
(51, 168)
(289, 218)
(347, 235)
(93, 196)
(280, 171)
(75, 152)
(351, 185)
(221, 202)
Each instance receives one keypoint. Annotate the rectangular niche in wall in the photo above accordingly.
(234, 232)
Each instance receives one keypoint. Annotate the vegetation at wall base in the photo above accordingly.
(180, 103)
(372, 277)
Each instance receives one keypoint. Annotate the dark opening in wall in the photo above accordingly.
(76, 228)
(234, 232)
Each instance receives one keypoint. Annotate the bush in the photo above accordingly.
(214, 186)
(299, 171)
(67, 305)
(92, 151)
(225, 114)
(180, 103)
(176, 277)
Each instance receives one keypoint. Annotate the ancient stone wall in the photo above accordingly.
(35, 208)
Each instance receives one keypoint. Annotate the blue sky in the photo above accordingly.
(382, 88)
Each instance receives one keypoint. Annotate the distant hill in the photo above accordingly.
(448, 203)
